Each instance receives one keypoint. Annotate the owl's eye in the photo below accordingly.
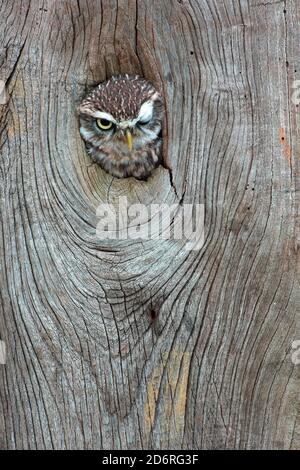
(144, 122)
(104, 124)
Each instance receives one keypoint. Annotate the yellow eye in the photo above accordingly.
(104, 124)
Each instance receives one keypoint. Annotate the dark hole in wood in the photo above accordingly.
(153, 315)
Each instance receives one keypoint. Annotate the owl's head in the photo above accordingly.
(121, 117)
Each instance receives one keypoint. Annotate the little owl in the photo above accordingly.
(121, 122)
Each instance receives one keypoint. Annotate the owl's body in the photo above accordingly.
(120, 122)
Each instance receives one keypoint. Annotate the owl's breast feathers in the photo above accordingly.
(139, 163)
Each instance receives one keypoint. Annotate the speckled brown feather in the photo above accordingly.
(121, 96)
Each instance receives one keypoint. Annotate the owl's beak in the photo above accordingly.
(129, 139)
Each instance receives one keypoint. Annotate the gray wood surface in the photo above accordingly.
(149, 345)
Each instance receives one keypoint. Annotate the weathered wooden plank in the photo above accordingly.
(148, 345)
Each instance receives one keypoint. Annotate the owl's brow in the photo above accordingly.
(146, 111)
(145, 114)
(103, 115)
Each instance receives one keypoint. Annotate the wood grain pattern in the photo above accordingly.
(127, 345)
